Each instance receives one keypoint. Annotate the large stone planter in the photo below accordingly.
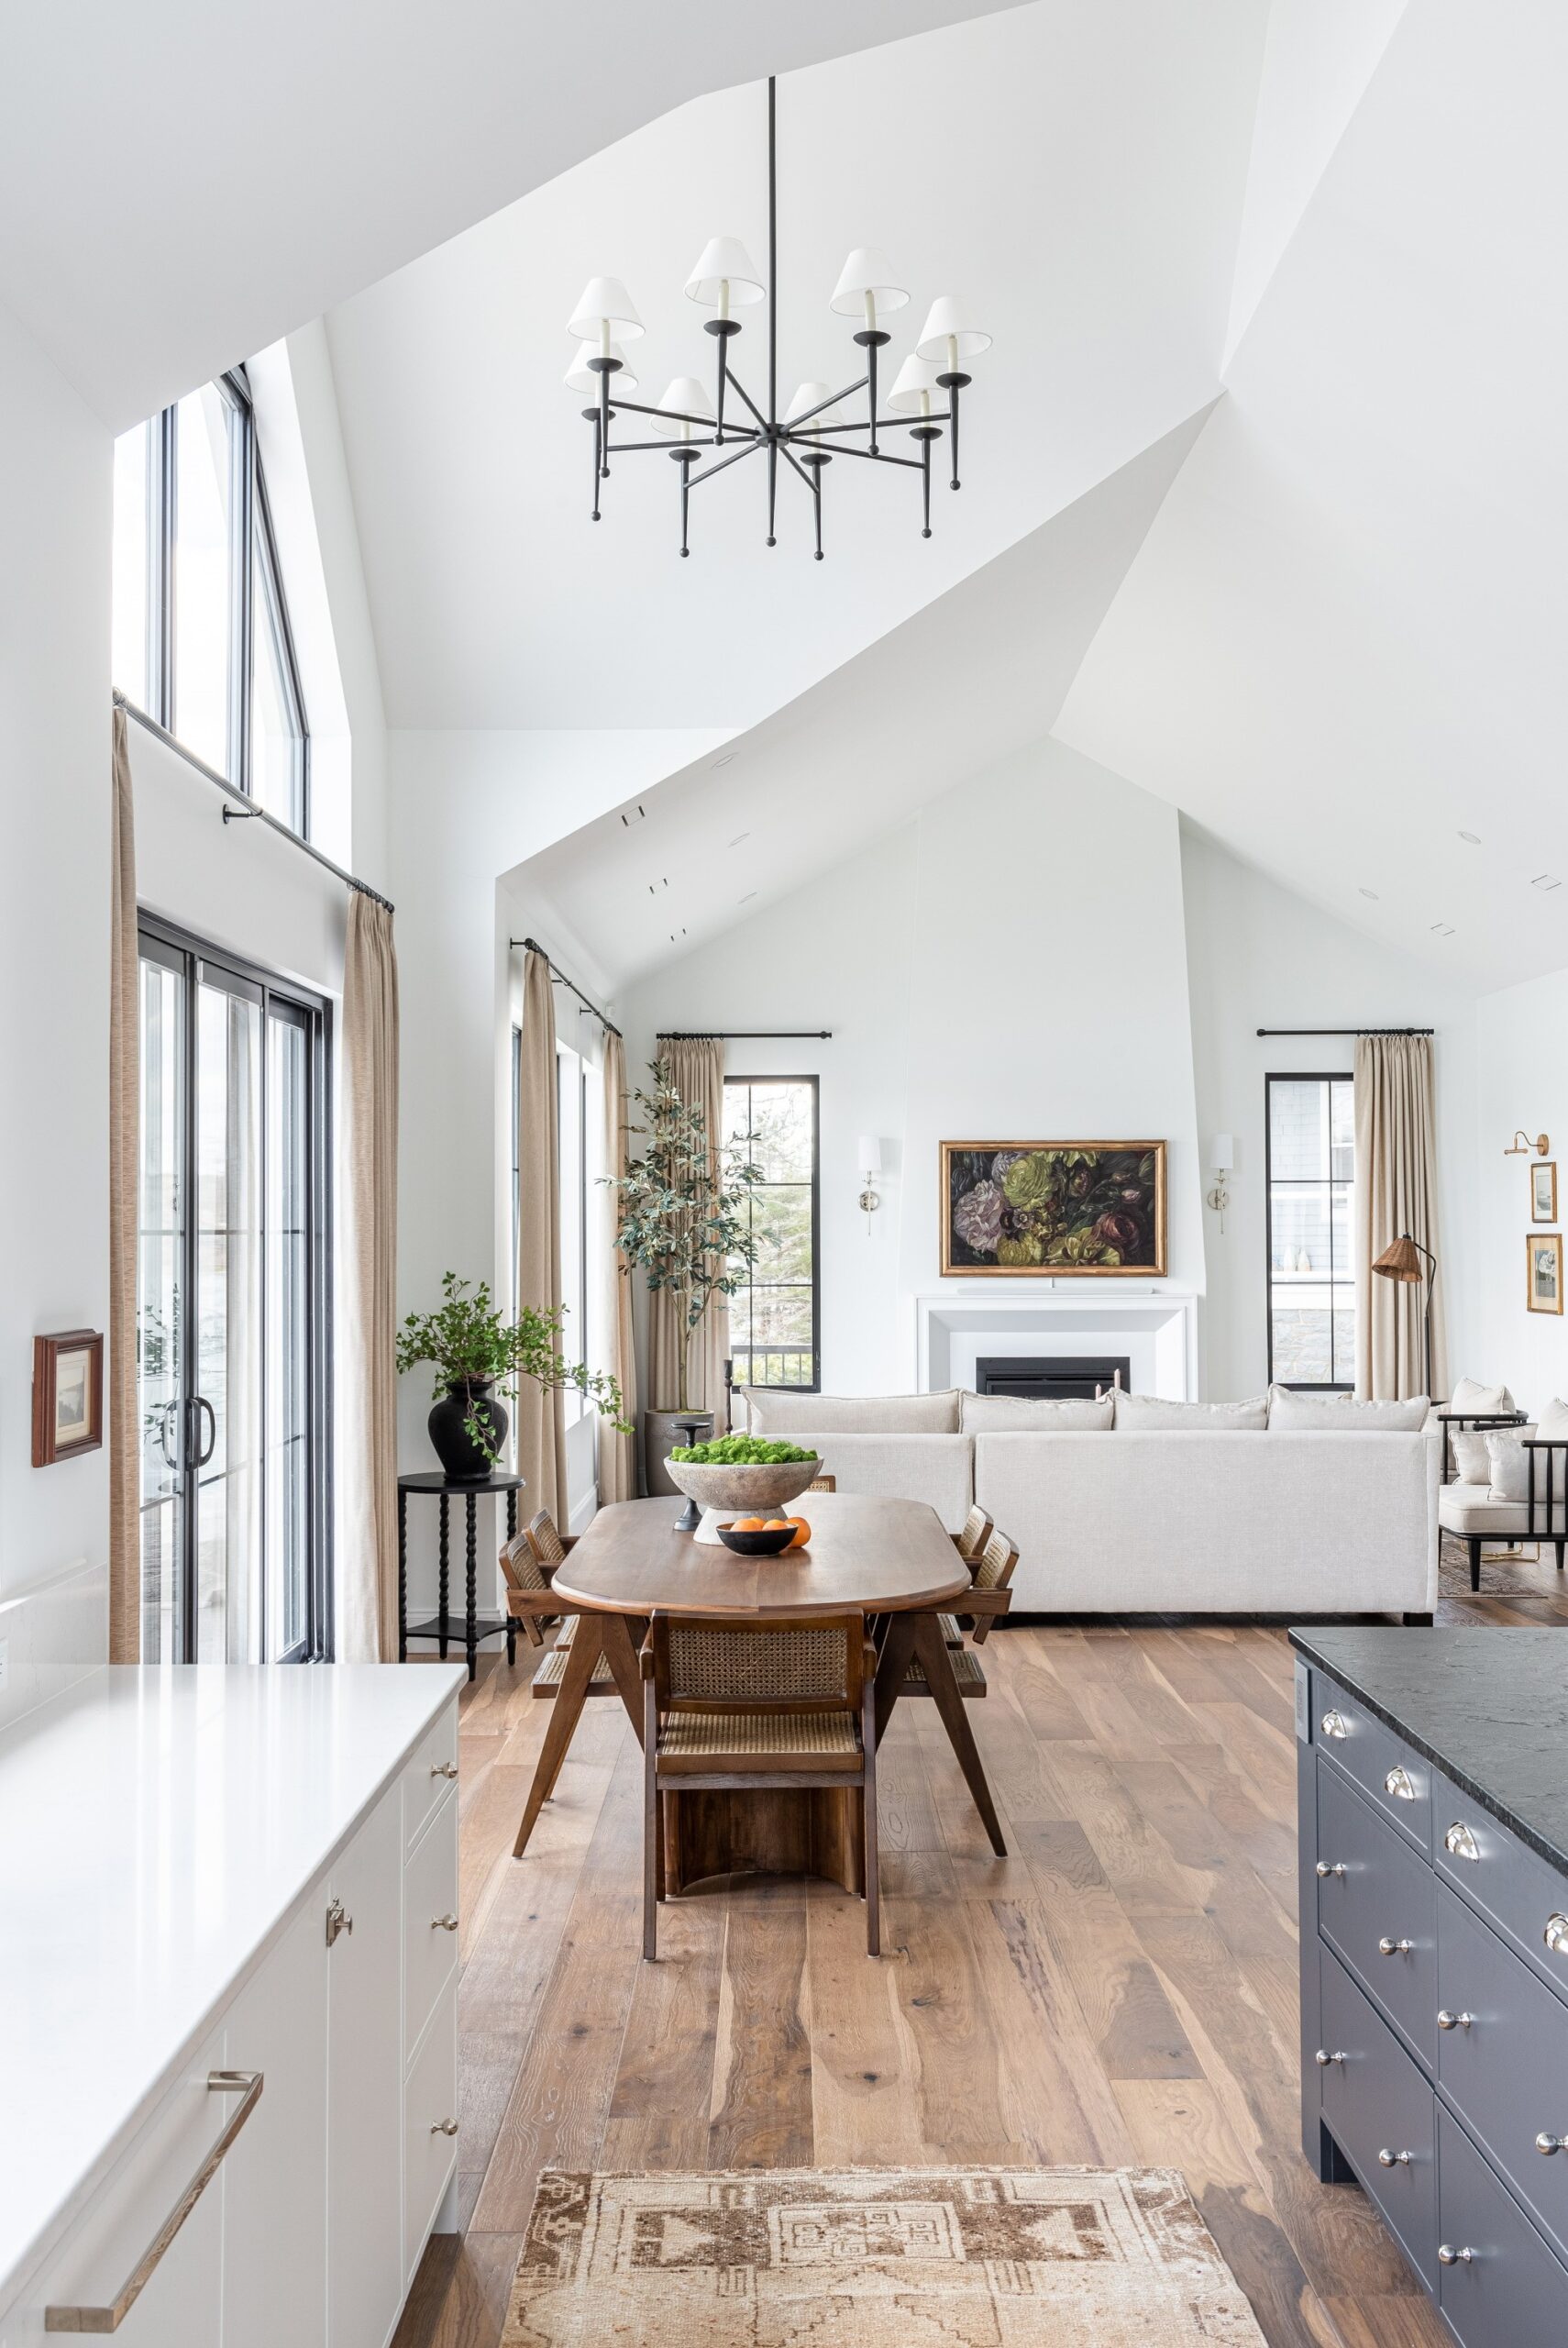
(743, 1492)
(660, 1435)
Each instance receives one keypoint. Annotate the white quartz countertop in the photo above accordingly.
(155, 1827)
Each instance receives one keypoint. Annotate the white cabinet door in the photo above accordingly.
(274, 2186)
(430, 2107)
(364, 2085)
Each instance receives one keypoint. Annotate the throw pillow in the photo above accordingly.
(774, 1411)
(1149, 1414)
(1017, 1414)
(1470, 1399)
(1472, 1460)
(1553, 1428)
(1303, 1413)
(1510, 1464)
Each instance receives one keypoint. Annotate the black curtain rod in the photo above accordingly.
(744, 1035)
(1347, 1031)
(243, 810)
(531, 945)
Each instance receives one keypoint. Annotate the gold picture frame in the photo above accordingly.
(1053, 1210)
(1543, 1191)
(1543, 1271)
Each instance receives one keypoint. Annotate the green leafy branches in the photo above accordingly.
(470, 1346)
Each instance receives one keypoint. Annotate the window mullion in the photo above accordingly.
(242, 508)
(162, 492)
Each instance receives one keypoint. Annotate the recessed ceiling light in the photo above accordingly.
(1370, 892)
(1474, 838)
(738, 838)
(1546, 880)
(727, 760)
(1442, 929)
(638, 813)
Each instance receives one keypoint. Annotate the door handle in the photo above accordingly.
(202, 1403)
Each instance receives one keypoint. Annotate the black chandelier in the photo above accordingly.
(812, 432)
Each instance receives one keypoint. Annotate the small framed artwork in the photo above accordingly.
(68, 1395)
(1053, 1210)
(1543, 1191)
(1543, 1258)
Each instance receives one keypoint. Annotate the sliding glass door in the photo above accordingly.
(232, 1311)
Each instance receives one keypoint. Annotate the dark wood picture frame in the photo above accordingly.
(1150, 1215)
(51, 1442)
(1542, 1242)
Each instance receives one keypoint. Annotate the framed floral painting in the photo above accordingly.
(1053, 1210)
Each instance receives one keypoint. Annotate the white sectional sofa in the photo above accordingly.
(1304, 1509)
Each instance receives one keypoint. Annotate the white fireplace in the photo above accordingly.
(1156, 1331)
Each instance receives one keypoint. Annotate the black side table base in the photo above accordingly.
(473, 1626)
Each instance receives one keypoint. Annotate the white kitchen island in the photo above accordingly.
(210, 1876)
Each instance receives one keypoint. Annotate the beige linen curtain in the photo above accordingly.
(125, 1096)
(366, 1579)
(617, 1453)
(541, 1416)
(1395, 1190)
(696, 1065)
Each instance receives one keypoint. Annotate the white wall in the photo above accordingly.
(54, 938)
(1259, 956)
(1523, 1080)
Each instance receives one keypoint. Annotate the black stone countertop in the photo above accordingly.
(1489, 1708)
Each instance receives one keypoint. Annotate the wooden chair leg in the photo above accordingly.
(1475, 1542)
(565, 1713)
(931, 1649)
(1560, 1546)
(652, 1869)
(659, 1856)
(893, 1662)
(871, 1862)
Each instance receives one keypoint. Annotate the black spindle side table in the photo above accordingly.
(474, 1626)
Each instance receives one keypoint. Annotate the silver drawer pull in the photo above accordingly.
(1324, 1867)
(1335, 1724)
(442, 2127)
(1449, 2256)
(1400, 1784)
(1460, 1842)
(1454, 2021)
(1556, 1936)
(444, 1770)
(1323, 2058)
(1386, 1947)
(1387, 2159)
(443, 1924)
(246, 2086)
(338, 1921)
(1550, 2144)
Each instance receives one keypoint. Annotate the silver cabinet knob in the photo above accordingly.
(338, 1921)
(1335, 1724)
(1400, 1784)
(1387, 2159)
(1386, 1947)
(1323, 2058)
(1460, 1843)
(444, 1770)
(1447, 2021)
(1449, 2256)
(1556, 1936)
(443, 1924)
(442, 2127)
(1324, 1868)
(1550, 2144)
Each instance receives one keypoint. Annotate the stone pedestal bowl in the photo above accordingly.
(741, 1492)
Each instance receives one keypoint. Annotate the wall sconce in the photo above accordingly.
(870, 1162)
(1222, 1158)
(1521, 1144)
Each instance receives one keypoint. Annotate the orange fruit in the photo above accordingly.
(776, 1524)
(747, 1525)
(802, 1532)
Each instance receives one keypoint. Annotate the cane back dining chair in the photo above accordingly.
(564, 1679)
(771, 1703)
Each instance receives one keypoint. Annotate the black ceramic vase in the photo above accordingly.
(461, 1458)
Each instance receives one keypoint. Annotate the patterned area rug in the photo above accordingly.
(875, 2258)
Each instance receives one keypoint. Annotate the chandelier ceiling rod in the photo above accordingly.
(810, 434)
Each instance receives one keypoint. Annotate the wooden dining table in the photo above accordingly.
(890, 1560)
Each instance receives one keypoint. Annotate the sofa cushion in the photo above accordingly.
(1510, 1464)
(774, 1411)
(1305, 1415)
(1553, 1426)
(1468, 1508)
(1150, 1414)
(1022, 1416)
(1472, 1460)
(936, 1468)
(1470, 1398)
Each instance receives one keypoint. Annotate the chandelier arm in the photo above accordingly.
(832, 401)
(750, 449)
(772, 260)
(593, 418)
(738, 386)
(879, 456)
(675, 415)
(772, 490)
(794, 460)
(633, 448)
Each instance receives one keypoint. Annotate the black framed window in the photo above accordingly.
(1310, 1151)
(233, 1285)
(201, 638)
(775, 1317)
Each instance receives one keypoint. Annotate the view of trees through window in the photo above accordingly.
(773, 1316)
(1311, 1277)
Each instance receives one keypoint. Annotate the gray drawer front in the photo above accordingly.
(1392, 1778)
(1511, 2292)
(1374, 2100)
(1516, 1889)
(1507, 2068)
(1386, 1892)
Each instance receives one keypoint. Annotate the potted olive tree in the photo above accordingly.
(478, 1357)
(682, 1218)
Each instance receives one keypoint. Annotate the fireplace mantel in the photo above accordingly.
(1155, 1326)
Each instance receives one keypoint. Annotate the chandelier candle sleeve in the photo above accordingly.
(816, 427)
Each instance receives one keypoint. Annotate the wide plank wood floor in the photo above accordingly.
(1121, 1988)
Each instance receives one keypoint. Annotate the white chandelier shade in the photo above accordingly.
(604, 311)
(809, 396)
(581, 377)
(725, 276)
(686, 393)
(866, 286)
(915, 388)
(947, 335)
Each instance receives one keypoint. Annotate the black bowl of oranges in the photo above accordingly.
(764, 1536)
